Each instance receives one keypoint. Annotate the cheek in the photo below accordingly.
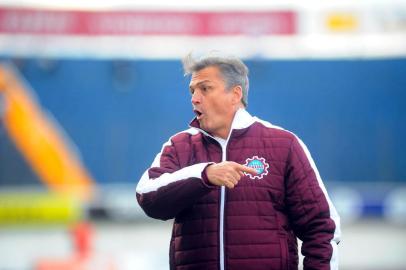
(219, 107)
(223, 104)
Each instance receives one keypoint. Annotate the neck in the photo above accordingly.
(225, 132)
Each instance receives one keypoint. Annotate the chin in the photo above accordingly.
(205, 127)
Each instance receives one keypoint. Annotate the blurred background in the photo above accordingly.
(90, 90)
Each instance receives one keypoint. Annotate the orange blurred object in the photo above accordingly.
(41, 140)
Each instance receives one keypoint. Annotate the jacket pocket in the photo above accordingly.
(284, 252)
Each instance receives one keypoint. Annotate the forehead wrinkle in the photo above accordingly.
(205, 72)
(191, 86)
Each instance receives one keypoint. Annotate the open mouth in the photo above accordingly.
(198, 114)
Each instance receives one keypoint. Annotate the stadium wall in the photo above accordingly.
(350, 113)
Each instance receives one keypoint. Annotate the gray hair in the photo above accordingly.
(233, 71)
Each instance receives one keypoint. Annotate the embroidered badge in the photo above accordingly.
(259, 164)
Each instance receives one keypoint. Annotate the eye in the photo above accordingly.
(205, 88)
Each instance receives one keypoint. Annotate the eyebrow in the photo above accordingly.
(197, 84)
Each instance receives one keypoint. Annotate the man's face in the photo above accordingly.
(213, 105)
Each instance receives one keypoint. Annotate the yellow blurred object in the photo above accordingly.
(38, 208)
(342, 22)
(40, 141)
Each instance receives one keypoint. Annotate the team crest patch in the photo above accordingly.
(259, 164)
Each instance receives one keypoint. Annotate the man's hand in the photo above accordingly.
(227, 173)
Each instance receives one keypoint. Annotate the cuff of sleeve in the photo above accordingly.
(204, 177)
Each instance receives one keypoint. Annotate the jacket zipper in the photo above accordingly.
(222, 204)
(223, 144)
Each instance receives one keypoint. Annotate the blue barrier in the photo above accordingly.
(350, 113)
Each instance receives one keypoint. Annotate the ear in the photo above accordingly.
(237, 94)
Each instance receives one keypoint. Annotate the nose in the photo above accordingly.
(196, 98)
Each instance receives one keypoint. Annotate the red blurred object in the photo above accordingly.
(82, 258)
(82, 234)
(195, 23)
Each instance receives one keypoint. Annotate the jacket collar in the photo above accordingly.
(242, 119)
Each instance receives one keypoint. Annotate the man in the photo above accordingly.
(240, 190)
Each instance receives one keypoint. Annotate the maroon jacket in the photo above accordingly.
(255, 224)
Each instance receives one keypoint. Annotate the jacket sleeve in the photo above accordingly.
(312, 215)
(165, 188)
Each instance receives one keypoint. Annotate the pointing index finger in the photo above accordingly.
(247, 169)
